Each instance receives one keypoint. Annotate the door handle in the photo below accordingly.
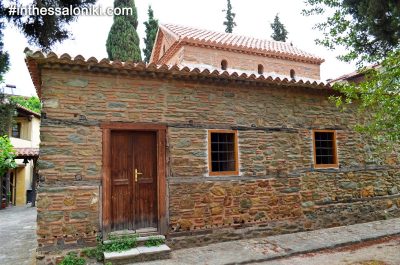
(136, 174)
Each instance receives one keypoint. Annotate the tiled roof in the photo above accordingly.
(21, 152)
(37, 60)
(243, 43)
(22, 108)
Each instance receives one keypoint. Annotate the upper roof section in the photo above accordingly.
(36, 61)
(177, 35)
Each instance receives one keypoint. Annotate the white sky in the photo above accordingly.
(253, 18)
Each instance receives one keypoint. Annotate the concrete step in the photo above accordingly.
(141, 240)
(138, 254)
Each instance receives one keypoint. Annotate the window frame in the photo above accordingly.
(236, 154)
(334, 148)
(19, 126)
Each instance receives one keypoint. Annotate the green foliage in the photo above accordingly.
(378, 97)
(154, 242)
(123, 41)
(41, 31)
(7, 155)
(7, 112)
(44, 31)
(230, 16)
(120, 243)
(32, 103)
(4, 58)
(279, 31)
(368, 29)
(72, 259)
(95, 253)
(151, 31)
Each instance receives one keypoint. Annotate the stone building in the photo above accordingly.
(220, 137)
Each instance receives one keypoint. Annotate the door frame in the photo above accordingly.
(160, 130)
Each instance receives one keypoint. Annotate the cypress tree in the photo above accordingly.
(230, 16)
(279, 30)
(151, 31)
(123, 40)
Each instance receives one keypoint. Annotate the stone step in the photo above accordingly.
(141, 240)
(138, 254)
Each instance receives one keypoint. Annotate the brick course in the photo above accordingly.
(193, 55)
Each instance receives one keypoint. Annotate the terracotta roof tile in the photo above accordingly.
(233, 41)
(37, 60)
(27, 152)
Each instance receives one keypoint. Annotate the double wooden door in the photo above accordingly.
(133, 180)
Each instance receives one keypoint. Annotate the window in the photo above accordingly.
(224, 65)
(292, 74)
(223, 152)
(260, 69)
(16, 130)
(325, 153)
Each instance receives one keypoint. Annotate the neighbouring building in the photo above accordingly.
(25, 138)
(220, 137)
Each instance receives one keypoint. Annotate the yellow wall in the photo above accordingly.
(21, 190)
(30, 133)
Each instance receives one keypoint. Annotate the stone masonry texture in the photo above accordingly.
(276, 191)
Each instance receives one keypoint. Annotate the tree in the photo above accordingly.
(7, 112)
(7, 155)
(279, 30)
(151, 31)
(41, 30)
(369, 30)
(4, 59)
(230, 16)
(123, 40)
(32, 103)
(7, 161)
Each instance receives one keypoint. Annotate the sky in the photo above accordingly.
(253, 18)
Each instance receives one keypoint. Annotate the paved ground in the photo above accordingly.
(17, 235)
(267, 250)
(380, 245)
(378, 252)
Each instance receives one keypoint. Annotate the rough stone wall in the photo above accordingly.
(276, 191)
(247, 62)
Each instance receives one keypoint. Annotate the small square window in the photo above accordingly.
(223, 157)
(16, 130)
(325, 153)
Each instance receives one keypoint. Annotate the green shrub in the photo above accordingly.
(72, 259)
(154, 242)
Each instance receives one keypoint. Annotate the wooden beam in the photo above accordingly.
(162, 182)
(106, 184)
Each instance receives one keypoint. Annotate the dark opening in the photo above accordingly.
(292, 74)
(325, 153)
(223, 152)
(224, 65)
(16, 130)
(260, 69)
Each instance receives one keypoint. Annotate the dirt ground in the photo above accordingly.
(378, 252)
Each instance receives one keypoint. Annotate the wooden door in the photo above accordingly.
(133, 180)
